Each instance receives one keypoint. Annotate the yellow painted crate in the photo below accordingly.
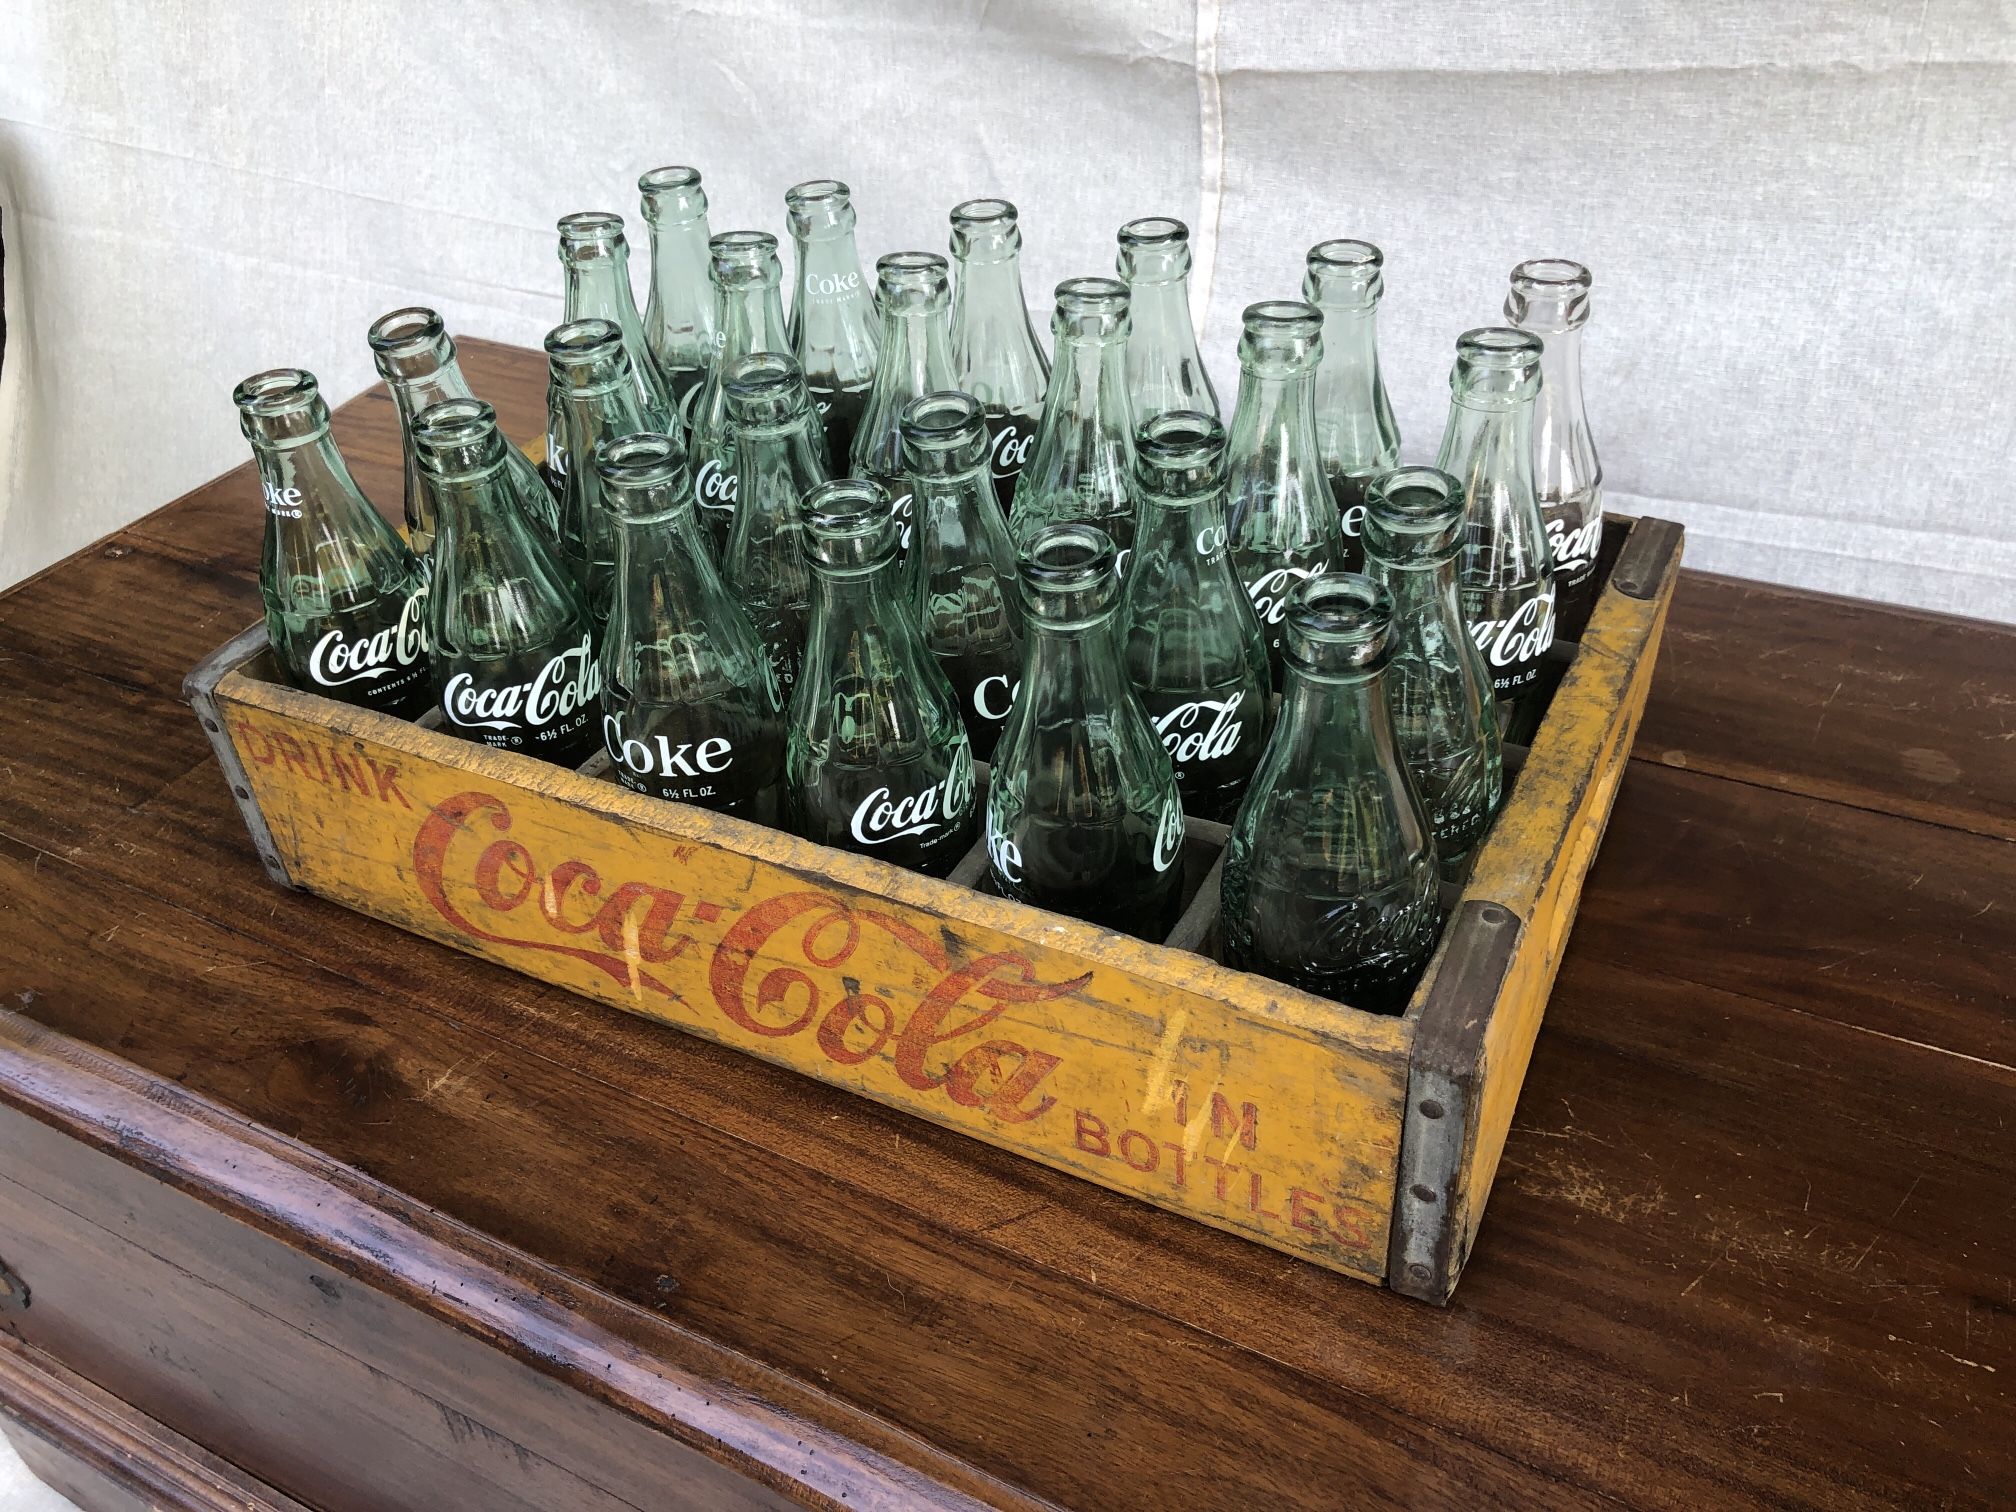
(1362, 1143)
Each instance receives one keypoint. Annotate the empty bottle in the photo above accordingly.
(1355, 433)
(1444, 715)
(513, 648)
(780, 457)
(679, 311)
(749, 317)
(1550, 298)
(345, 598)
(1282, 515)
(876, 758)
(596, 259)
(1330, 872)
(962, 563)
(916, 359)
(1190, 643)
(993, 343)
(1164, 370)
(690, 708)
(416, 358)
(597, 399)
(1505, 577)
(1083, 813)
(1081, 466)
(833, 321)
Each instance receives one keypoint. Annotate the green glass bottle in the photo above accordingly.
(513, 648)
(416, 358)
(690, 707)
(1550, 298)
(749, 315)
(780, 458)
(1355, 431)
(876, 758)
(1444, 716)
(1081, 466)
(1164, 369)
(1283, 518)
(962, 563)
(834, 328)
(591, 377)
(345, 599)
(1192, 647)
(595, 261)
(679, 311)
(1000, 361)
(1083, 812)
(1330, 872)
(916, 359)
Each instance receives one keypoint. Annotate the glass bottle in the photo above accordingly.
(1083, 813)
(1192, 647)
(916, 298)
(596, 261)
(1081, 466)
(1330, 875)
(1283, 517)
(1550, 298)
(597, 399)
(345, 598)
(833, 320)
(690, 707)
(1505, 577)
(513, 648)
(416, 358)
(993, 343)
(1445, 719)
(679, 311)
(1355, 433)
(748, 317)
(780, 457)
(962, 565)
(876, 759)
(1164, 370)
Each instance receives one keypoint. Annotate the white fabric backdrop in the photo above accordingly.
(1799, 216)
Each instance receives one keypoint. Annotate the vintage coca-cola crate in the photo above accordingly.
(1362, 1143)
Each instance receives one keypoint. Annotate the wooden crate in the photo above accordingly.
(1362, 1143)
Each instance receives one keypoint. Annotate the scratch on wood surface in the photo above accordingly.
(1162, 1067)
(1916, 1180)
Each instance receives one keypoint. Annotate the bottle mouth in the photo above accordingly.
(985, 230)
(1550, 293)
(911, 279)
(851, 522)
(819, 207)
(455, 437)
(577, 343)
(641, 469)
(1496, 366)
(1337, 624)
(742, 257)
(1552, 274)
(587, 233)
(1345, 272)
(1066, 572)
(672, 194)
(1280, 338)
(412, 332)
(1180, 453)
(666, 180)
(1154, 231)
(1091, 307)
(764, 388)
(282, 406)
(1413, 513)
(943, 432)
(1154, 249)
(983, 213)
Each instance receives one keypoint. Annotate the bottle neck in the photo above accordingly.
(1351, 355)
(598, 288)
(751, 319)
(916, 353)
(1161, 317)
(1335, 730)
(990, 321)
(770, 457)
(1074, 672)
(1274, 414)
(1090, 379)
(1421, 588)
(309, 483)
(680, 304)
(1561, 376)
(1490, 444)
(412, 393)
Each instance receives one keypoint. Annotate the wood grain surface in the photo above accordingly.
(1752, 1240)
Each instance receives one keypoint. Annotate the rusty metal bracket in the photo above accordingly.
(200, 688)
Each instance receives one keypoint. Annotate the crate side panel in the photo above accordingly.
(1261, 1122)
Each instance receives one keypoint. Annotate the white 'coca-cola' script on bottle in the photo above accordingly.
(1202, 730)
(1574, 550)
(714, 485)
(1520, 640)
(882, 816)
(337, 659)
(1010, 452)
(570, 681)
(1169, 836)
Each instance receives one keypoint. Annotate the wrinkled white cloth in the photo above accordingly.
(1799, 216)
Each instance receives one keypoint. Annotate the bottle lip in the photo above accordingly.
(851, 523)
(742, 257)
(1154, 250)
(911, 273)
(1338, 625)
(636, 467)
(575, 343)
(986, 231)
(942, 431)
(455, 436)
(673, 176)
(1155, 233)
(1290, 319)
(281, 407)
(986, 211)
(672, 196)
(1346, 254)
(1552, 275)
(764, 388)
(1413, 515)
(1180, 453)
(1067, 574)
(1549, 294)
(589, 231)
(411, 331)
(1345, 273)
(1093, 296)
(819, 208)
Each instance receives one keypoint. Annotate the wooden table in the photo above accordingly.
(301, 1206)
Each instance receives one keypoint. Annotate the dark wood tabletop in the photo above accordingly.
(1753, 1239)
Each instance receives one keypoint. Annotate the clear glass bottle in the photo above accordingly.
(1191, 645)
(1550, 298)
(834, 327)
(780, 458)
(1355, 432)
(993, 342)
(690, 707)
(513, 648)
(1330, 872)
(679, 311)
(1445, 718)
(1505, 577)
(416, 358)
(962, 564)
(345, 598)
(916, 297)
(591, 380)
(1081, 466)
(876, 757)
(1283, 517)
(596, 260)
(749, 317)
(1083, 812)
(1164, 370)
